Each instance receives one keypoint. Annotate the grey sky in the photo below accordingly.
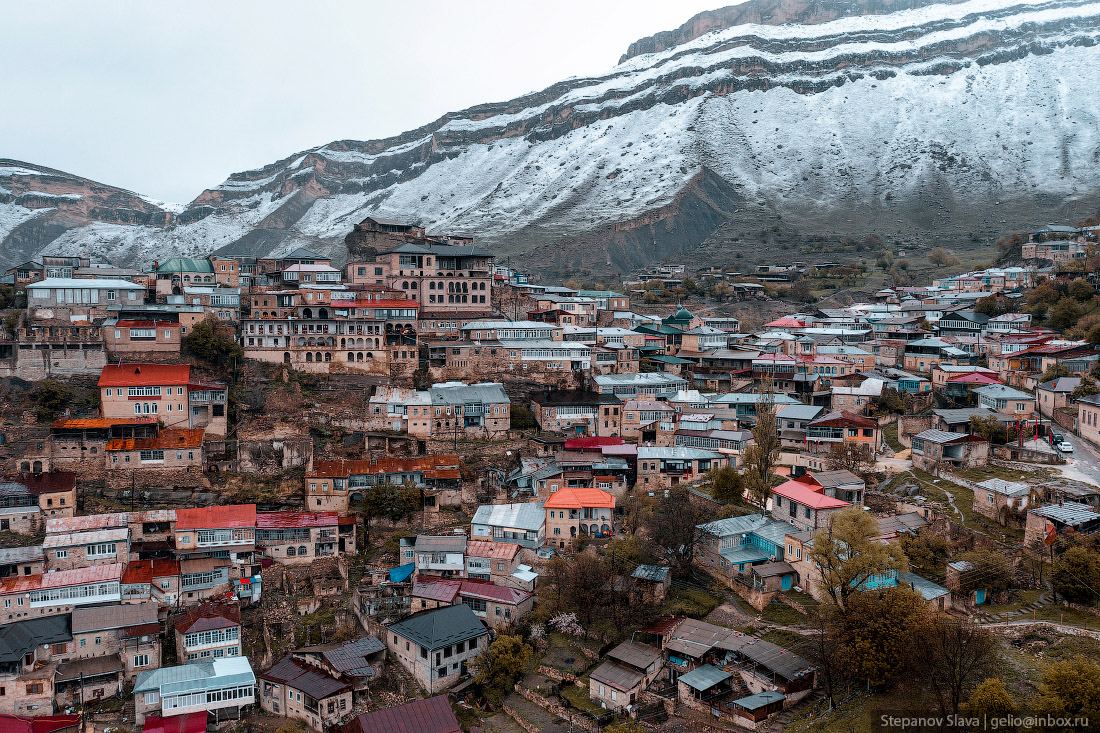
(169, 99)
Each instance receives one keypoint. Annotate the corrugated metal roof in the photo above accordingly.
(655, 573)
(312, 681)
(63, 578)
(291, 519)
(69, 539)
(433, 715)
(580, 498)
(704, 677)
(1005, 488)
(197, 676)
(526, 515)
(618, 676)
(100, 618)
(1069, 512)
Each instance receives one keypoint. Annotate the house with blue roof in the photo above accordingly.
(729, 548)
(221, 687)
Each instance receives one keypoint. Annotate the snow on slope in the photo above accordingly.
(973, 101)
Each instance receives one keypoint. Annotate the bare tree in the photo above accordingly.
(955, 656)
(762, 455)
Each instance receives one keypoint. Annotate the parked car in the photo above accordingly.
(1065, 446)
(1058, 438)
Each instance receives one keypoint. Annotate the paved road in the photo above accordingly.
(1084, 463)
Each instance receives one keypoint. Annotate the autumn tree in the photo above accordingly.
(500, 665)
(213, 341)
(1070, 687)
(762, 454)
(942, 258)
(394, 502)
(955, 655)
(727, 485)
(1077, 575)
(927, 553)
(850, 457)
(848, 555)
(875, 639)
(990, 698)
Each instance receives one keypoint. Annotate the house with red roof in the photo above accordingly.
(579, 512)
(298, 538)
(169, 392)
(155, 579)
(496, 605)
(209, 631)
(803, 503)
(841, 427)
(203, 530)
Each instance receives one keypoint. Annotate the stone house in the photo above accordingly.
(29, 651)
(298, 538)
(1088, 418)
(496, 605)
(1000, 500)
(629, 669)
(804, 504)
(436, 646)
(522, 523)
(573, 513)
(167, 391)
(293, 689)
(932, 448)
(129, 631)
(208, 631)
(1046, 524)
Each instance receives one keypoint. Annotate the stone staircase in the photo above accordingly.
(983, 616)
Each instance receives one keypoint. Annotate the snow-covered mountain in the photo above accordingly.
(930, 122)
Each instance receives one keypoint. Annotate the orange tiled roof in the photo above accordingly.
(580, 499)
(167, 439)
(144, 375)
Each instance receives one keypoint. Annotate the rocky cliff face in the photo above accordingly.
(916, 120)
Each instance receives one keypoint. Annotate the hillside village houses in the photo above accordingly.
(439, 436)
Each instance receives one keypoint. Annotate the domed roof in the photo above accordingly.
(682, 315)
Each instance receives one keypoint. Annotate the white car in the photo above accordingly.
(1065, 446)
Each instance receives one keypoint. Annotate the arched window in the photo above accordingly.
(359, 356)
(309, 356)
(37, 467)
(351, 356)
(328, 356)
(286, 357)
(572, 531)
(301, 550)
(291, 552)
(25, 466)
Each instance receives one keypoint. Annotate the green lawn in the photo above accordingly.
(782, 614)
(937, 489)
(578, 698)
(693, 602)
(975, 475)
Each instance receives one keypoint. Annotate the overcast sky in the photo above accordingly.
(169, 99)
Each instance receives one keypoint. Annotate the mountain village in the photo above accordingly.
(423, 490)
